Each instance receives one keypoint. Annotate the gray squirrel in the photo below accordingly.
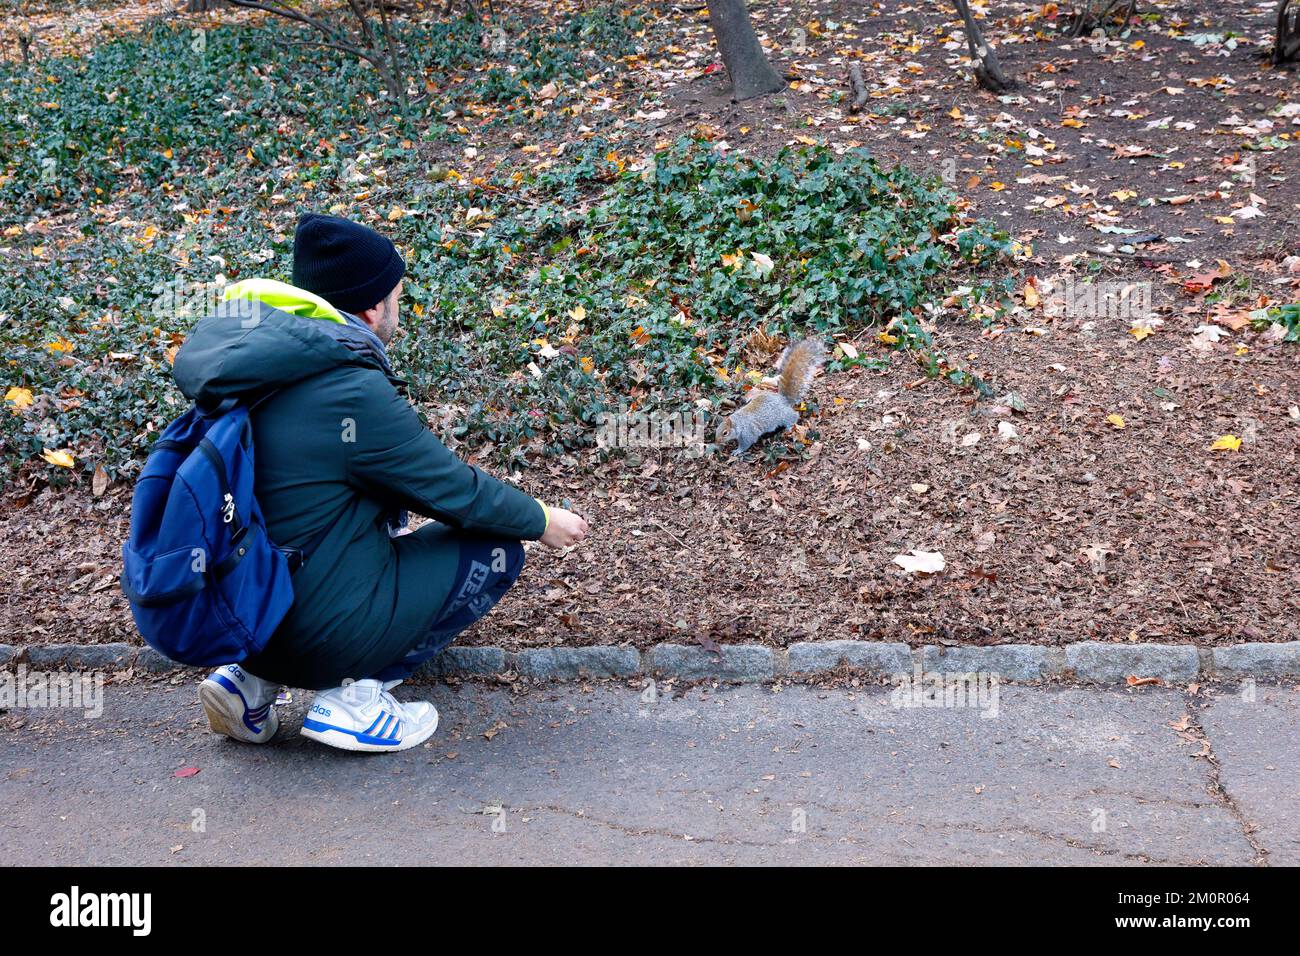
(773, 411)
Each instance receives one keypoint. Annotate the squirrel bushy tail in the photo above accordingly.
(766, 412)
(797, 365)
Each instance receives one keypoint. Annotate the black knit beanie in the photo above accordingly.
(349, 265)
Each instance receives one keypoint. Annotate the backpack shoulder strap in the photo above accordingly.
(217, 410)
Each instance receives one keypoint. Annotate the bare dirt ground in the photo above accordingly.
(54, 30)
(1059, 522)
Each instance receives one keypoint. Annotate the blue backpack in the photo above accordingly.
(206, 585)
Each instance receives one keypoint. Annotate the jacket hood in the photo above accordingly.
(265, 336)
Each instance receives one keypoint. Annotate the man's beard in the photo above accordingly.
(387, 325)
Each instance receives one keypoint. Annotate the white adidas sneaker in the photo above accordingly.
(240, 705)
(364, 716)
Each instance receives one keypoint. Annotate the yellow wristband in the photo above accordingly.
(545, 511)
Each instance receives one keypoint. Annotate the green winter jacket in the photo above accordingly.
(339, 451)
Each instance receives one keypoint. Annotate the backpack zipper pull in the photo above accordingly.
(228, 508)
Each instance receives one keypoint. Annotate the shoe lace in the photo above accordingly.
(391, 703)
(377, 693)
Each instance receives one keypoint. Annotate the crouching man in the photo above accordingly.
(340, 457)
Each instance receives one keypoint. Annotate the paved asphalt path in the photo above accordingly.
(596, 774)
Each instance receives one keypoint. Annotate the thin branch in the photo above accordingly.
(291, 14)
(346, 48)
(336, 39)
(365, 21)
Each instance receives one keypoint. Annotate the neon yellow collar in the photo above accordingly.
(286, 298)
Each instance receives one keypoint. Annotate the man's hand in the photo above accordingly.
(565, 529)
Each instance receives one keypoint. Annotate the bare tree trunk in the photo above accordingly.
(393, 77)
(202, 6)
(27, 41)
(1110, 13)
(747, 65)
(987, 70)
(1286, 49)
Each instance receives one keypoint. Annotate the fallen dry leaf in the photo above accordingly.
(921, 562)
(1142, 681)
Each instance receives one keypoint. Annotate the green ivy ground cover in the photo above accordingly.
(140, 177)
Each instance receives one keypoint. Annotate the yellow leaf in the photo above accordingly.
(577, 313)
(60, 458)
(395, 214)
(20, 397)
(1031, 296)
(997, 187)
(586, 364)
(1072, 123)
(60, 344)
(1140, 332)
(1226, 443)
(1116, 421)
(167, 153)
